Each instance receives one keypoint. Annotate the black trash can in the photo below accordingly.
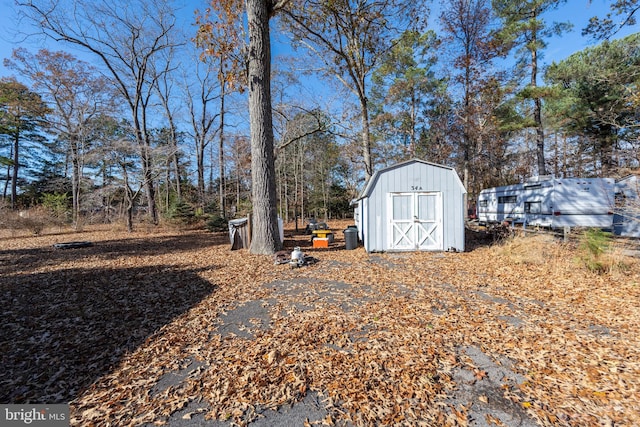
(351, 238)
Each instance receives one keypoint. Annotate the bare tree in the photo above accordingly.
(76, 92)
(221, 35)
(127, 38)
(240, 165)
(467, 29)
(350, 37)
(164, 85)
(200, 91)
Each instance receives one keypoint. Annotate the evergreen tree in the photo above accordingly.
(596, 90)
(22, 114)
(403, 86)
(525, 29)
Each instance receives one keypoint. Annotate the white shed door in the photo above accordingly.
(416, 221)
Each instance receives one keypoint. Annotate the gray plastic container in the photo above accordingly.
(351, 238)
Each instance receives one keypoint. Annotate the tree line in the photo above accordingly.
(156, 122)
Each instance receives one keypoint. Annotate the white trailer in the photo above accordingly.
(550, 202)
(626, 220)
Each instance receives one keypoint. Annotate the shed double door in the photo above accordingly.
(416, 221)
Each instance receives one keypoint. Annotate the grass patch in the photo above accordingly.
(599, 252)
(536, 249)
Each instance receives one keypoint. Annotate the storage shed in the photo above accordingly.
(413, 205)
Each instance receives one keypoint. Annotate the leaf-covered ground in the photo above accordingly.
(141, 326)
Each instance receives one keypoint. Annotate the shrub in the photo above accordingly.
(217, 223)
(594, 243)
(57, 204)
(182, 212)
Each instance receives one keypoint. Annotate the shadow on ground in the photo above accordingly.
(21, 260)
(62, 330)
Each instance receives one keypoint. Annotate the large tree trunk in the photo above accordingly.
(265, 238)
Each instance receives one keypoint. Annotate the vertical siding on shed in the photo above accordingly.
(454, 218)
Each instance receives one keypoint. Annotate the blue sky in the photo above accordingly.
(577, 12)
(12, 32)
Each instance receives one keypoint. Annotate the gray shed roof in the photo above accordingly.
(366, 192)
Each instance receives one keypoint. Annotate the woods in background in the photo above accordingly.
(153, 122)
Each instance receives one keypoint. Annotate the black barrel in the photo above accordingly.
(351, 238)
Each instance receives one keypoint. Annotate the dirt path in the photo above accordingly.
(480, 381)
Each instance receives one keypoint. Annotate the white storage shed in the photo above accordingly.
(412, 206)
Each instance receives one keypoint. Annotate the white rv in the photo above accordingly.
(550, 202)
(626, 220)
